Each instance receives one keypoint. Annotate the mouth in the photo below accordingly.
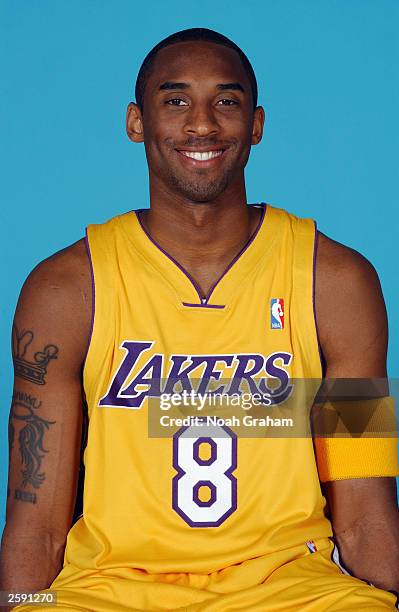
(201, 158)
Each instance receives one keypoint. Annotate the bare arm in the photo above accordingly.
(352, 325)
(50, 336)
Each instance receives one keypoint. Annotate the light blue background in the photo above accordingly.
(327, 74)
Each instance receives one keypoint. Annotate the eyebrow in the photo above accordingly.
(172, 85)
(233, 86)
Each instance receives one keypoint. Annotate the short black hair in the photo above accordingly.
(192, 34)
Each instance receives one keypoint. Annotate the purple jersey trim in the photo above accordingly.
(231, 264)
(93, 298)
(138, 211)
(316, 239)
(203, 305)
(191, 279)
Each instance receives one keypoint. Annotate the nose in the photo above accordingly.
(201, 121)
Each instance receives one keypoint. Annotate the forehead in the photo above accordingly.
(197, 61)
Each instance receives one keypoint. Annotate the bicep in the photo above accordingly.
(351, 314)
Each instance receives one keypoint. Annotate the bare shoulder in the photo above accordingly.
(336, 260)
(65, 276)
(343, 274)
(70, 265)
(56, 296)
(350, 309)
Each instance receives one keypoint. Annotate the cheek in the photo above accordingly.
(152, 137)
(161, 125)
(158, 153)
(156, 136)
(239, 129)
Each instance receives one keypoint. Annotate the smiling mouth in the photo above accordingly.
(202, 155)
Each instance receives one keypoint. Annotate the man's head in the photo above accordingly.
(195, 111)
(191, 35)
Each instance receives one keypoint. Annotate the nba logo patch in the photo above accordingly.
(277, 313)
(311, 546)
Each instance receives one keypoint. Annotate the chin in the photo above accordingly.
(201, 197)
(201, 193)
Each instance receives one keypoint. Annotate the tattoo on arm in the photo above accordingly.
(32, 451)
(25, 496)
(36, 370)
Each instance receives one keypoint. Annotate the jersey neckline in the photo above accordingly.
(185, 285)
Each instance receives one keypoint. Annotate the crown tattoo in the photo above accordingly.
(35, 370)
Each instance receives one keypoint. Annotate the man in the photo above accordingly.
(185, 292)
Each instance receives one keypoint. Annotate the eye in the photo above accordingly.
(227, 102)
(176, 102)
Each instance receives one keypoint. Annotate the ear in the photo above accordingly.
(134, 123)
(258, 122)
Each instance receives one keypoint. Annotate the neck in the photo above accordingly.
(213, 230)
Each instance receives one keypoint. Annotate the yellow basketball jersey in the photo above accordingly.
(142, 498)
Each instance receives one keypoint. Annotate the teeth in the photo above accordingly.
(201, 156)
